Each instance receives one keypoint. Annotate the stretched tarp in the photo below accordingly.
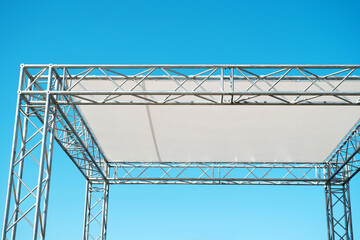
(219, 133)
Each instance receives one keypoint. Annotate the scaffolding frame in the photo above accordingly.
(47, 112)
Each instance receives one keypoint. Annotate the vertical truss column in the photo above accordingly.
(96, 210)
(338, 212)
(342, 165)
(27, 195)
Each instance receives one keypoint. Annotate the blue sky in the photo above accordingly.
(174, 32)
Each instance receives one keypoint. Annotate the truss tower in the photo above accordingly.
(193, 124)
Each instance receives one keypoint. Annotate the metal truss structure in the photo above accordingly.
(47, 112)
(96, 203)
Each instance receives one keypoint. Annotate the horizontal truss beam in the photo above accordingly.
(217, 173)
(73, 93)
(344, 162)
(212, 77)
(201, 84)
(191, 66)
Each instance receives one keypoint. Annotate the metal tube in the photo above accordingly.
(105, 211)
(20, 174)
(75, 103)
(215, 182)
(73, 93)
(86, 211)
(220, 179)
(21, 167)
(13, 155)
(212, 78)
(345, 205)
(194, 66)
(350, 214)
(327, 202)
(49, 165)
(47, 187)
(232, 84)
(223, 164)
(42, 159)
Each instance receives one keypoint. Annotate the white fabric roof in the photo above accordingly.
(213, 133)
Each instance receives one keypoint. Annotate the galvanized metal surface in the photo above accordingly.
(47, 111)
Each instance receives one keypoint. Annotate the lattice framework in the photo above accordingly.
(47, 112)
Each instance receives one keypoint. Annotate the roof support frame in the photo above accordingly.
(218, 173)
(206, 84)
(50, 93)
(345, 160)
(72, 132)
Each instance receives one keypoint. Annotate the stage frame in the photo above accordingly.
(47, 112)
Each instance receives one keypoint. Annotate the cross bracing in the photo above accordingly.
(48, 112)
(202, 84)
(217, 173)
(344, 162)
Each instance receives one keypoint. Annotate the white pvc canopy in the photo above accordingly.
(213, 133)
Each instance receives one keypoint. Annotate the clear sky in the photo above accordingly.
(174, 32)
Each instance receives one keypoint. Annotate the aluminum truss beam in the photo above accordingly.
(217, 173)
(344, 163)
(27, 200)
(96, 209)
(47, 112)
(72, 133)
(205, 84)
(338, 212)
(37, 126)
